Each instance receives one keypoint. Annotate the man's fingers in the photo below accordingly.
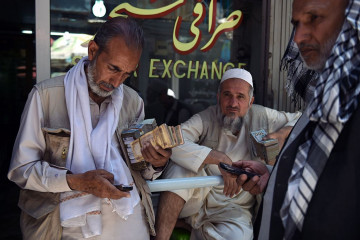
(98, 183)
(157, 156)
(230, 185)
(241, 179)
(253, 185)
(117, 194)
(103, 173)
(238, 189)
(109, 177)
(149, 152)
(231, 188)
(226, 186)
(146, 154)
(163, 152)
(110, 191)
(234, 187)
(255, 190)
(263, 182)
(269, 136)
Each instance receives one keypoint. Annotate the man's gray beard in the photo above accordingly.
(232, 124)
(91, 81)
(324, 55)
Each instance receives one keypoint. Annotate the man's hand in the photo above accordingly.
(230, 186)
(97, 182)
(255, 185)
(280, 135)
(157, 156)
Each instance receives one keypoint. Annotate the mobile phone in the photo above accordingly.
(124, 188)
(237, 171)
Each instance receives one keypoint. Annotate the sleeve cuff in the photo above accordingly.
(57, 180)
(204, 152)
(152, 173)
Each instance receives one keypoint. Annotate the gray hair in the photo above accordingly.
(251, 91)
(126, 28)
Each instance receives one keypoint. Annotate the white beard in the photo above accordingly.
(232, 124)
(94, 87)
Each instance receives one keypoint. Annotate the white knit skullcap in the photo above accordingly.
(237, 73)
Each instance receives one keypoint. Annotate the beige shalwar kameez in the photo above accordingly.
(211, 214)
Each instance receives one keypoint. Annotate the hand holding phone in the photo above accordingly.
(124, 188)
(237, 171)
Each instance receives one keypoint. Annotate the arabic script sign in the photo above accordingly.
(232, 22)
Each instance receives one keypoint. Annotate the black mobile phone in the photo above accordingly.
(124, 188)
(237, 171)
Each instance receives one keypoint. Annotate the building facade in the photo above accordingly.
(189, 44)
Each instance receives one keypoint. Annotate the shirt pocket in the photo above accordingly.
(57, 145)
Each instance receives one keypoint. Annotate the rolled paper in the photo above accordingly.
(184, 183)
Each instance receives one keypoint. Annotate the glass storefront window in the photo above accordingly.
(189, 44)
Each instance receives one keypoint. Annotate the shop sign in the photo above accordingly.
(232, 22)
(199, 70)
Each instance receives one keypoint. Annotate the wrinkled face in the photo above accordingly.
(109, 69)
(234, 98)
(317, 23)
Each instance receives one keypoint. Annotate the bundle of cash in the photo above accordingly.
(264, 149)
(148, 132)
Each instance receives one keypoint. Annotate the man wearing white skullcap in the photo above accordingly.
(238, 73)
(221, 134)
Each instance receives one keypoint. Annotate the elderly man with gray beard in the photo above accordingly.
(221, 134)
(68, 157)
(313, 191)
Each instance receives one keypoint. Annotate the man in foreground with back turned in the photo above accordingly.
(221, 133)
(313, 191)
(68, 156)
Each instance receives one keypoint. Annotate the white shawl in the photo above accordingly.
(90, 148)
